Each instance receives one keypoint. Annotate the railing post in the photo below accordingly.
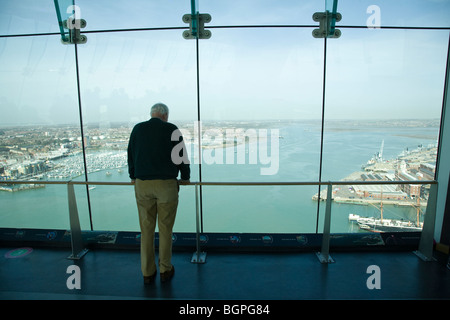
(198, 256)
(425, 251)
(323, 255)
(78, 250)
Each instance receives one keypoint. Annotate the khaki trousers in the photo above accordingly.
(156, 199)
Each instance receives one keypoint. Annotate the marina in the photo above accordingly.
(72, 167)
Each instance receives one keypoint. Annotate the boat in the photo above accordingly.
(377, 157)
(386, 225)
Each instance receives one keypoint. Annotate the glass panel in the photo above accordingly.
(382, 115)
(122, 75)
(383, 103)
(104, 15)
(416, 13)
(27, 16)
(257, 12)
(37, 83)
(260, 105)
(259, 209)
(113, 208)
(39, 130)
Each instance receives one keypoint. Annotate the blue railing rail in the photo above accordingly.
(425, 250)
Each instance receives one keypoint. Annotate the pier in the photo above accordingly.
(414, 166)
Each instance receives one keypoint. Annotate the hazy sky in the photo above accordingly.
(247, 73)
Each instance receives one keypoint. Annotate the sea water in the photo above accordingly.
(262, 209)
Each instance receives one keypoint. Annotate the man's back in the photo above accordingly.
(149, 152)
(153, 164)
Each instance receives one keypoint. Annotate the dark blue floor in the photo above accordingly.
(115, 274)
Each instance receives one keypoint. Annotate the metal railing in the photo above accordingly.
(425, 250)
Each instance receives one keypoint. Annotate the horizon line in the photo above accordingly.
(4, 125)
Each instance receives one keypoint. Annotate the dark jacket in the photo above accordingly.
(150, 152)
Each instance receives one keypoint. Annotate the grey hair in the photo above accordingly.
(159, 109)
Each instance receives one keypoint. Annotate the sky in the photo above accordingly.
(245, 73)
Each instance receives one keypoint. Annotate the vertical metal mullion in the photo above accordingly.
(198, 256)
(443, 111)
(324, 254)
(322, 129)
(82, 135)
(199, 133)
(76, 239)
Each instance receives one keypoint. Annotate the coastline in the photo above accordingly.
(410, 166)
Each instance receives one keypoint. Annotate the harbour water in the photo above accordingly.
(268, 209)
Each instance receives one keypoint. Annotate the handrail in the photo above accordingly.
(425, 251)
(234, 183)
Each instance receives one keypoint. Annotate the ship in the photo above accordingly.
(387, 225)
(377, 157)
(384, 225)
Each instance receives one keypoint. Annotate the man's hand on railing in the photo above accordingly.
(183, 182)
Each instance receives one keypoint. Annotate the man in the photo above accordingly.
(154, 168)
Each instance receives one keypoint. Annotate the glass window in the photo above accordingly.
(403, 13)
(122, 75)
(260, 107)
(260, 91)
(110, 15)
(259, 209)
(383, 107)
(27, 17)
(260, 12)
(39, 130)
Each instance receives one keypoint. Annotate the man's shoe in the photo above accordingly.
(150, 279)
(166, 276)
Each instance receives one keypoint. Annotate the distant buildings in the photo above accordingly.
(413, 166)
(26, 168)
